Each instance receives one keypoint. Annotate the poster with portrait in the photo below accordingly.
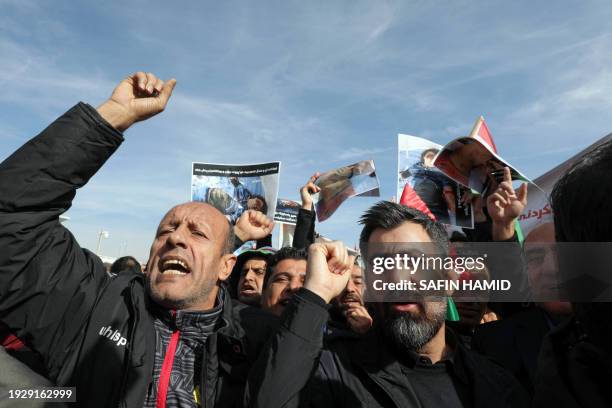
(473, 160)
(422, 186)
(235, 188)
(337, 186)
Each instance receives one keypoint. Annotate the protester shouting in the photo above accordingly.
(171, 338)
(246, 281)
(285, 275)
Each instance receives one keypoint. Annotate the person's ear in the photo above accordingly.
(227, 264)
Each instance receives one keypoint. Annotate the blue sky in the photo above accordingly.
(316, 85)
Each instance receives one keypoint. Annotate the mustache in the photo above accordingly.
(351, 298)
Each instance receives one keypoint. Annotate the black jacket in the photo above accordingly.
(514, 343)
(295, 370)
(58, 298)
(304, 234)
(572, 372)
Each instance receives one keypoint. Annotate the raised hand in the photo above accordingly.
(308, 190)
(358, 318)
(505, 205)
(136, 98)
(488, 317)
(253, 225)
(328, 269)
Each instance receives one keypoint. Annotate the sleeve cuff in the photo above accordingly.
(92, 115)
(311, 297)
(306, 213)
(306, 315)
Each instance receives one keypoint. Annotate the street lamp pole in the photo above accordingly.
(101, 234)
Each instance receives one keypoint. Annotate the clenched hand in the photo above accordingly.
(136, 98)
(253, 225)
(328, 269)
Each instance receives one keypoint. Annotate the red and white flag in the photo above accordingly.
(481, 131)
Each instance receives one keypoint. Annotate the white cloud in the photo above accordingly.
(362, 153)
(307, 84)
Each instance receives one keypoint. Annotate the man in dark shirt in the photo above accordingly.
(437, 384)
(408, 359)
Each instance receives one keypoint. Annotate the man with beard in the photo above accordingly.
(408, 359)
(347, 312)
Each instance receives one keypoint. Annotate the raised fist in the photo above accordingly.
(136, 98)
(328, 269)
(253, 225)
(308, 190)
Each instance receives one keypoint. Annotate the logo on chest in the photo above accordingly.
(113, 335)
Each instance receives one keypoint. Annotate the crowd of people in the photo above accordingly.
(279, 327)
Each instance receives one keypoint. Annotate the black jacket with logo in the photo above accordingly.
(296, 369)
(93, 332)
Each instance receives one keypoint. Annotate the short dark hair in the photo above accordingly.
(387, 215)
(243, 258)
(426, 152)
(281, 255)
(580, 199)
(580, 204)
(125, 263)
(263, 200)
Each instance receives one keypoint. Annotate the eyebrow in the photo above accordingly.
(200, 225)
(163, 224)
(257, 268)
(282, 274)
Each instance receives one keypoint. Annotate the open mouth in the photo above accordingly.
(350, 300)
(248, 290)
(174, 266)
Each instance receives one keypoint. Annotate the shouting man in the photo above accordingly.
(172, 337)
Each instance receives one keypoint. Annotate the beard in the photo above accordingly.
(408, 332)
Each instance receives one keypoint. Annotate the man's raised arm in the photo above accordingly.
(290, 358)
(42, 268)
